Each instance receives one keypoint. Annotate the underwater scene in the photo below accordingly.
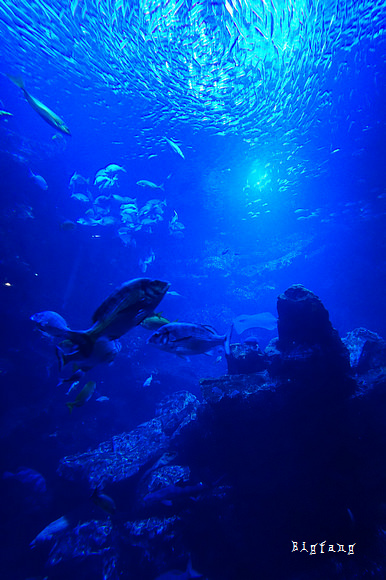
(192, 280)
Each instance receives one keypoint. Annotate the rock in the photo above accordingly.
(245, 359)
(308, 346)
(94, 541)
(123, 456)
(302, 318)
(144, 533)
(367, 350)
(214, 390)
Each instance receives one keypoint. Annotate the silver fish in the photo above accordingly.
(186, 339)
(49, 116)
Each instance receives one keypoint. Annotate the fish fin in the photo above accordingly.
(81, 339)
(70, 406)
(61, 357)
(18, 81)
(227, 341)
(183, 356)
(208, 327)
(161, 187)
(210, 353)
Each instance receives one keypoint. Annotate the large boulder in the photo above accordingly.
(308, 347)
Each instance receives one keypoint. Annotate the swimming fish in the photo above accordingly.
(5, 114)
(67, 225)
(50, 323)
(154, 321)
(80, 197)
(148, 381)
(39, 180)
(143, 264)
(105, 502)
(126, 307)
(247, 321)
(83, 396)
(175, 148)
(49, 116)
(73, 380)
(113, 168)
(145, 183)
(54, 527)
(77, 179)
(186, 339)
(103, 351)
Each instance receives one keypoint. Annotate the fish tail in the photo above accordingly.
(18, 81)
(227, 341)
(81, 339)
(70, 406)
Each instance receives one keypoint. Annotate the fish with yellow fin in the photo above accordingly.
(154, 321)
(83, 396)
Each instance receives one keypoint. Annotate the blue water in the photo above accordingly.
(283, 182)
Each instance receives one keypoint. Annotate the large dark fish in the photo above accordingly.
(184, 339)
(103, 351)
(125, 308)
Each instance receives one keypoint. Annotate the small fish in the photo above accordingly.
(80, 197)
(247, 321)
(186, 339)
(105, 502)
(77, 179)
(175, 148)
(5, 114)
(173, 293)
(51, 323)
(29, 477)
(73, 380)
(113, 168)
(102, 399)
(154, 321)
(49, 116)
(148, 381)
(39, 180)
(84, 396)
(48, 532)
(67, 225)
(150, 184)
(143, 264)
